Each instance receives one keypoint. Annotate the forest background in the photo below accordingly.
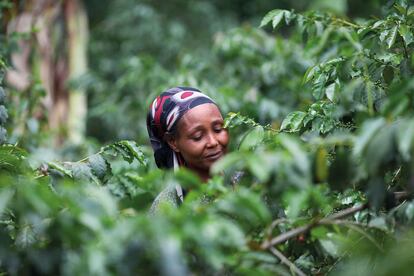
(319, 100)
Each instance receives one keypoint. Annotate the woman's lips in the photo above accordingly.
(214, 156)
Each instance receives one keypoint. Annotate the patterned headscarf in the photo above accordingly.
(163, 116)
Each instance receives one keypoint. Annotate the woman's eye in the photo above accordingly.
(218, 129)
(196, 138)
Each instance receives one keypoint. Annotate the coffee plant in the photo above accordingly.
(320, 116)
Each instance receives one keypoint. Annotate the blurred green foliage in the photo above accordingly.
(212, 45)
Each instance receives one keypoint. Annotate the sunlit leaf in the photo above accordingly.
(293, 121)
(270, 17)
(406, 33)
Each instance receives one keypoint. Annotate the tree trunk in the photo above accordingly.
(59, 51)
(78, 42)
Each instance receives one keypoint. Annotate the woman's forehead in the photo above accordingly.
(204, 114)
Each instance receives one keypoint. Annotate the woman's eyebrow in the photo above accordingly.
(195, 128)
(218, 120)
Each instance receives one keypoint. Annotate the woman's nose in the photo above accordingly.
(212, 140)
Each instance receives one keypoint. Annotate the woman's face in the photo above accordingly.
(201, 138)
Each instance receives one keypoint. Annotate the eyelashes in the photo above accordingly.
(198, 137)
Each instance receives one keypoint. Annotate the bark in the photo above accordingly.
(78, 41)
(57, 51)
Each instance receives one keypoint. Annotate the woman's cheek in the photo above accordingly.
(225, 138)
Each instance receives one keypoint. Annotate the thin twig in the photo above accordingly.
(286, 261)
(347, 23)
(286, 236)
(397, 174)
(274, 224)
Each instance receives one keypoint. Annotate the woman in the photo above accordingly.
(186, 129)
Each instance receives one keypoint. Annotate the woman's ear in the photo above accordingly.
(171, 141)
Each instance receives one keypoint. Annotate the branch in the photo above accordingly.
(328, 220)
(346, 212)
(303, 229)
(346, 23)
(286, 261)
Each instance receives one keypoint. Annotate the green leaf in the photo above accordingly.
(377, 24)
(60, 168)
(270, 16)
(25, 237)
(246, 207)
(128, 151)
(369, 129)
(100, 167)
(309, 74)
(319, 86)
(405, 138)
(330, 247)
(227, 161)
(406, 34)
(229, 120)
(388, 74)
(3, 114)
(379, 223)
(276, 16)
(3, 135)
(2, 95)
(296, 203)
(400, 8)
(5, 196)
(135, 150)
(298, 153)
(410, 11)
(389, 36)
(392, 37)
(332, 91)
(258, 167)
(380, 148)
(81, 171)
(187, 177)
(409, 211)
(293, 121)
(289, 16)
(319, 28)
(253, 138)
